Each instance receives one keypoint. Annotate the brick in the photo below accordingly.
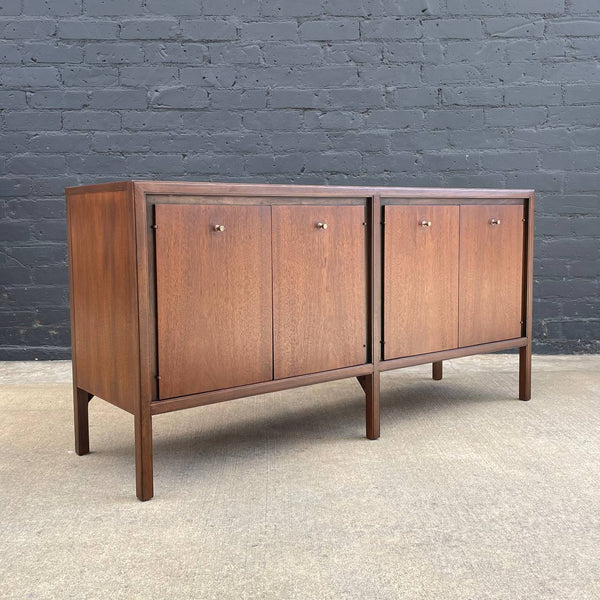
(472, 96)
(330, 30)
(12, 99)
(390, 29)
(174, 7)
(179, 97)
(152, 120)
(56, 53)
(357, 98)
(298, 99)
(290, 8)
(395, 119)
(454, 119)
(104, 164)
(118, 98)
(284, 54)
(390, 75)
(280, 120)
(458, 73)
(221, 120)
(575, 28)
(92, 120)
(25, 28)
(189, 53)
(29, 77)
(113, 53)
(266, 30)
(516, 117)
(322, 77)
(567, 72)
(208, 29)
(535, 6)
(341, 162)
(147, 76)
(59, 99)
(52, 8)
(583, 48)
(533, 95)
(583, 7)
(235, 55)
(509, 161)
(514, 27)
(582, 94)
(449, 161)
(574, 115)
(239, 8)
(89, 76)
(421, 96)
(348, 52)
(403, 51)
(14, 232)
(208, 76)
(475, 7)
(113, 7)
(33, 121)
(465, 29)
(10, 8)
(88, 30)
(149, 29)
(9, 53)
(220, 99)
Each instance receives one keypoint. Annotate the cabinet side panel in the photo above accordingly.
(105, 339)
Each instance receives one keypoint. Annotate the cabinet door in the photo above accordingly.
(491, 273)
(319, 288)
(420, 289)
(214, 299)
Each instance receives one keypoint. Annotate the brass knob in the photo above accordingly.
(495, 222)
(425, 223)
(219, 227)
(322, 225)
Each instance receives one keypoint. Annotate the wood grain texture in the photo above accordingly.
(491, 274)
(101, 240)
(420, 303)
(214, 297)
(319, 288)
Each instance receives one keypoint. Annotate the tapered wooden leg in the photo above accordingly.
(362, 381)
(437, 370)
(81, 400)
(525, 372)
(371, 387)
(143, 457)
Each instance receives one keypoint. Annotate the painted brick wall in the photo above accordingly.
(498, 93)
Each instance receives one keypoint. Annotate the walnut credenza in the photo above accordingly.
(185, 294)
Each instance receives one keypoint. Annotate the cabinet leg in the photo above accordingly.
(437, 370)
(143, 457)
(371, 387)
(81, 400)
(525, 372)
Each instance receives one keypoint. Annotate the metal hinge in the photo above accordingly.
(153, 226)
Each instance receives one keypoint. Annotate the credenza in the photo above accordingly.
(186, 294)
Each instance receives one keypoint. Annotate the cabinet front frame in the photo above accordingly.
(146, 194)
(147, 216)
(455, 197)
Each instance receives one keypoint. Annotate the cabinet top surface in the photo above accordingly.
(260, 189)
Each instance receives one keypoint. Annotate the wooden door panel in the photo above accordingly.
(319, 288)
(491, 273)
(214, 297)
(420, 295)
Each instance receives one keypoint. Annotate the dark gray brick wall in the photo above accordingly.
(498, 93)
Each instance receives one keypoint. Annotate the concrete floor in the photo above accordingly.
(468, 494)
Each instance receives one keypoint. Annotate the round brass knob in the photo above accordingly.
(425, 223)
(322, 225)
(495, 222)
(219, 227)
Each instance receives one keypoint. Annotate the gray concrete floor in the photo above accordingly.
(469, 493)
